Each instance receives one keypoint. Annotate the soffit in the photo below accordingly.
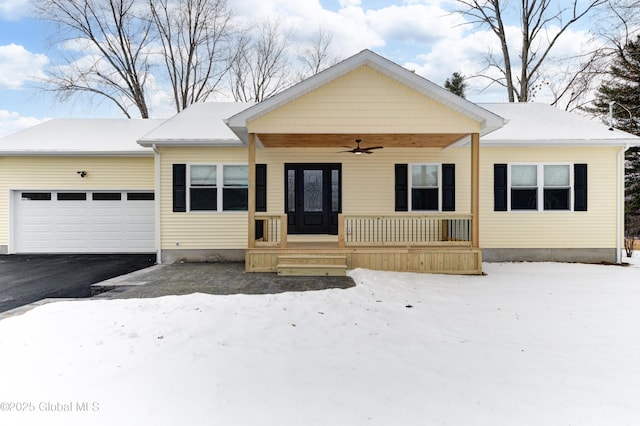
(333, 140)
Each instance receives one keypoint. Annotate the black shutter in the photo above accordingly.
(448, 187)
(500, 187)
(261, 187)
(580, 187)
(179, 187)
(402, 190)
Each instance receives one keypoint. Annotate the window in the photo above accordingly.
(235, 192)
(524, 187)
(214, 187)
(72, 196)
(106, 196)
(540, 187)
(140, 196)
(36, 196)
(557, 187)
(203, 192)
(425, 188)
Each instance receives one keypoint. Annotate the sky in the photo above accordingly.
(421, 35)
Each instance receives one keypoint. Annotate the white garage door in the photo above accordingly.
(83, 222)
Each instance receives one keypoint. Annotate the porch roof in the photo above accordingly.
(487, 120)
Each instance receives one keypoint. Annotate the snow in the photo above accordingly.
(80, 136)
(527, 344)
(201, 122)
(525, 127)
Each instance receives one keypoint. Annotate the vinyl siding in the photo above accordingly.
(368, 181)
(199, 230)
(368, 188)
(363, 101)
(52, 173)
(595, 228)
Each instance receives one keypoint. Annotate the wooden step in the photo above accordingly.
(312, 259)
(312, 265)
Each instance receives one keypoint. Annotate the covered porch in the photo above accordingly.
(412, 241)
(403, 243)
(410, 204)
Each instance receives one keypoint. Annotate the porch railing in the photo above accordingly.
(271, 230)
(405, 230)
(382, 230)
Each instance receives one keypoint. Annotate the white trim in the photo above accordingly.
(488, 120)
(27, 153)
(193, 142)
(219, 188)
(157, 204)
(620, 219)
(410, 186)
(540, 186)
(12, 217)
(574, 143)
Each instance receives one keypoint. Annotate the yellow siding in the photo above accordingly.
(595, 228)
(363, 101)
(368, 181)
(368, 188)
(199, 230)
(60, 173)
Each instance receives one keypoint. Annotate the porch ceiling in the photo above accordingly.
(333, 140)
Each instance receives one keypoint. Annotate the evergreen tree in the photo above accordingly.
(619, 101)
(456, 84)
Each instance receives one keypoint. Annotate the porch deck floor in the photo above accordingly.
(447, 259)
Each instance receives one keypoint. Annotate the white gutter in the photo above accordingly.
(620, 203)
(157, 205)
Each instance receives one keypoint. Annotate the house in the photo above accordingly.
(289, 184)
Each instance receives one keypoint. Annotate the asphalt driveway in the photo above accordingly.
(28, 278)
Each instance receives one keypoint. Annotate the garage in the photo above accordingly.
(83, 221)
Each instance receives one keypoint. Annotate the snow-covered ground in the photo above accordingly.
(528, 344)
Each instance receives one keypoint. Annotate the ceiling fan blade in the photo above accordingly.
(374, 147)
(350, 150)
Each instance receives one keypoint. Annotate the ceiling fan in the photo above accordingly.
(357, 150)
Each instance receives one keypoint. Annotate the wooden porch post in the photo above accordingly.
(251, 206)
(475, 190)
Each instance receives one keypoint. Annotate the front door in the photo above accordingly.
(313, 198)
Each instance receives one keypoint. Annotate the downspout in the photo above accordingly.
(620, 203)
(157, 197)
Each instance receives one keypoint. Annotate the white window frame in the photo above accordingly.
(410, 181)
(219, 188)
(540, 186)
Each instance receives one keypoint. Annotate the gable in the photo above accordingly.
(363, 101)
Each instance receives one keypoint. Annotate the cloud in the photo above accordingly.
(13, 10)
(12, 122)
(417, 23)
(18, 65)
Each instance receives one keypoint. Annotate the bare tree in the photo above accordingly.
(196, 38)
(118, 32)
(613, 27)
(541, 23)
(317, 55)
(261, 67)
